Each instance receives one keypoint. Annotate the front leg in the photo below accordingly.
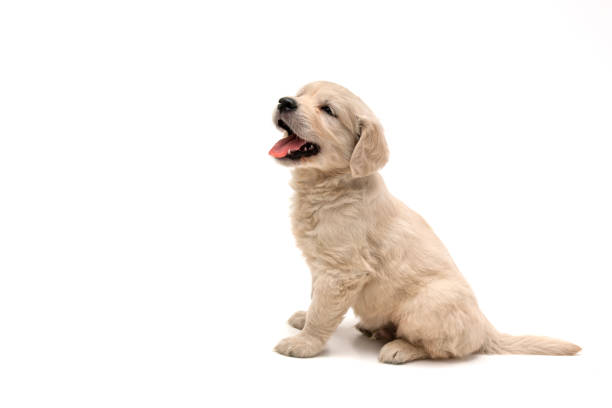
(298, 320)
(331, 298)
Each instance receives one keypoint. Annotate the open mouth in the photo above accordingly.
(291, 146)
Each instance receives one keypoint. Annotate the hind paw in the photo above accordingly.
(386, 333)
(399, 351)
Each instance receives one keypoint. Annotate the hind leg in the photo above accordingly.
(444, 322)
(399, 351)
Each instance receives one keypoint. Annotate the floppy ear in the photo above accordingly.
(371, 152)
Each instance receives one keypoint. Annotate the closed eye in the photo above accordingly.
(328, 110)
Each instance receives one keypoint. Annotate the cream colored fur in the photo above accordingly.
(368, 251)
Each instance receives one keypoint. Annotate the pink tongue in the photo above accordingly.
(282, 147)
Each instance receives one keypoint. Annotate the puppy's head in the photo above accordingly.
(329, 128)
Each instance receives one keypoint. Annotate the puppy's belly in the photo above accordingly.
(376, 303)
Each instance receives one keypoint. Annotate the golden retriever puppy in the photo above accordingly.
(367, 250)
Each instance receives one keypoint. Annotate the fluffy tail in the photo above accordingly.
(506, 344)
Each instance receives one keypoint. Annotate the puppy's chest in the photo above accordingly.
(326, 229)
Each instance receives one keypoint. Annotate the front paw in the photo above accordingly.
(301, 345)
(298, 320)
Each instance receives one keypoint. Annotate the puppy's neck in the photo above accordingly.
(309, 181)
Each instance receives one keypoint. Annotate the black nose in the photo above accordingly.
(286, 104)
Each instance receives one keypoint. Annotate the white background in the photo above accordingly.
(146, 257)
